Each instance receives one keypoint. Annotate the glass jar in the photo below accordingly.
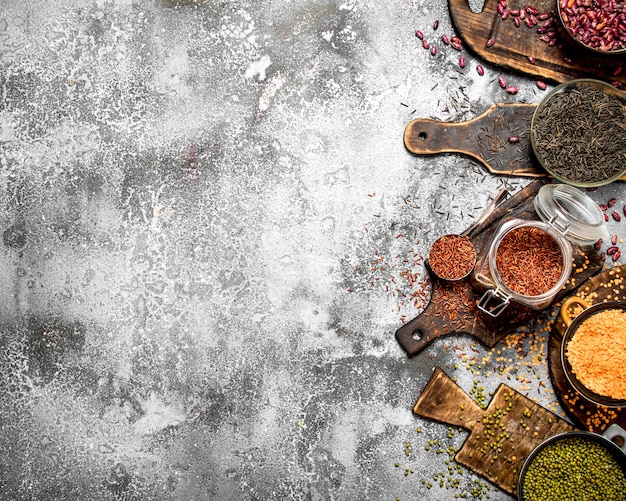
(563, 213)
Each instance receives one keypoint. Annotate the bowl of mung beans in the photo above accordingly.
(576, 465)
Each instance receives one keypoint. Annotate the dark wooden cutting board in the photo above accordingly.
(513, 46)
(484, 138)
(526, 423)
(452, 307)
(587, 414)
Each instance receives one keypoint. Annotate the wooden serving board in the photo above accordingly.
(562, 62)
(526, 423)
(484, 138)
(452, 307)
(587, 414)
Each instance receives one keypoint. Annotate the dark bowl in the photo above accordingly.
(580, 43)
(581, 389)
(605, 441)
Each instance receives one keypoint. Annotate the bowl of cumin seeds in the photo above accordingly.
(578, 133)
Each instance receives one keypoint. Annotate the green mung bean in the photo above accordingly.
(574, 468)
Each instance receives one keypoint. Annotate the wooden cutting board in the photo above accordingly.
(512, 47)
(484, 138)
(587, 414)
(525, 423)
(452, 307)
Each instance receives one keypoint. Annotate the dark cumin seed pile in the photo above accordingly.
(580, 135)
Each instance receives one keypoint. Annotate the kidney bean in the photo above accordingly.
(616, 216)
(502, 83)
(598, 244)
(612, 250)
(512, 89)
(445, 39)
(490, 42)
(419, 34)
(617, 255)
(462, 62)
(541, 84)
(480, 70)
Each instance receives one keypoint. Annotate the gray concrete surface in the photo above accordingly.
(198, 200)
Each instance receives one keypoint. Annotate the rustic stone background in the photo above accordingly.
(197, 199)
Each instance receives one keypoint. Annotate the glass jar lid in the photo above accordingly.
(570, 211)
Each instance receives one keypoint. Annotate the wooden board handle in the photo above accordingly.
(443, 400)
(461, 10)
(425, 136)
(413, 336)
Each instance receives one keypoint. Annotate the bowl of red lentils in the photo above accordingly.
(596, 25)
(593, 351)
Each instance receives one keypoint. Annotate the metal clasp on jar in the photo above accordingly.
(493, 302)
